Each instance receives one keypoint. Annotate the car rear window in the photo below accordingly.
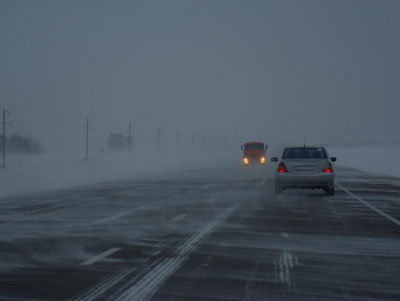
(253, 146)
(304, 153)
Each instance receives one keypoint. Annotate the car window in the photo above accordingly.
(253, 146)
(304, 153)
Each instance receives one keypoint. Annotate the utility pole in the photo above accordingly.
(158, 139)
(177, 140)
(4, 137)
(87, 138)
(130, 137)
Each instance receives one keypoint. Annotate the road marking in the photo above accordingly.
(100, 256)
(96, 292)
(179, 217)
(262, 183)
(111, 218)
(392, 219)
(284, 266)
(148, 285)
(207, 186)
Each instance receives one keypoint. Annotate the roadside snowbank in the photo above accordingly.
(36, 173)
(381, 159)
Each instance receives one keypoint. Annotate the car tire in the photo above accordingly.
(330, 190)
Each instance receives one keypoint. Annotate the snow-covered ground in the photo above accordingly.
(380, 159)
(35, 173)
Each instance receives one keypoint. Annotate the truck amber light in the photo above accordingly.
(329, 169)
(282, 168)
(245, 161)
(262, 160)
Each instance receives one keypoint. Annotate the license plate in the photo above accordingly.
(305, 168)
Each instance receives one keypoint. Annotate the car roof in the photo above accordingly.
(254, 142)
(307, 146)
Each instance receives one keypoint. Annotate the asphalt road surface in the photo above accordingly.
(206, 234)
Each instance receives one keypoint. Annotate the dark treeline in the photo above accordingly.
(21, 144)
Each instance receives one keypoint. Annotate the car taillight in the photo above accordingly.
(329, 169)
(282, 168)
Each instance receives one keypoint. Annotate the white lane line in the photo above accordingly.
(207, 186)
(100, 256)
(211, 200)
(262, 183)
(392, 219)
(179, 217)
(96, 292)
(286, 263)
(148, 285)
(111, 218)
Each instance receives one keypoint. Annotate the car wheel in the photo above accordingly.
(330, 190)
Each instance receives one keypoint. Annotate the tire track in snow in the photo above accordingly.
(97, 291)
(148, 285)
(284, 265)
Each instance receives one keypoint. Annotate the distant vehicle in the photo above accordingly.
(254, 152)
(305, 168)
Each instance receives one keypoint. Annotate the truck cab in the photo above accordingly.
(254, 152)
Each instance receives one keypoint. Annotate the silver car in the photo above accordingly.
(305, 168)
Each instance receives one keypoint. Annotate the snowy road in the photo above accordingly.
(211, 234)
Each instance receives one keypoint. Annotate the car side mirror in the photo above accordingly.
(333, 159)
(274, 159)
(241, 147)
(266, 147)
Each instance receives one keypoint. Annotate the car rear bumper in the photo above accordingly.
(304, 181)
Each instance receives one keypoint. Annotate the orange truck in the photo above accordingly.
(254, 152)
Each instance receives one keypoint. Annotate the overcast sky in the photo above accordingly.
(264, 70)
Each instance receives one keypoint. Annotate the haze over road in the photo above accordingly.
(204, 234)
